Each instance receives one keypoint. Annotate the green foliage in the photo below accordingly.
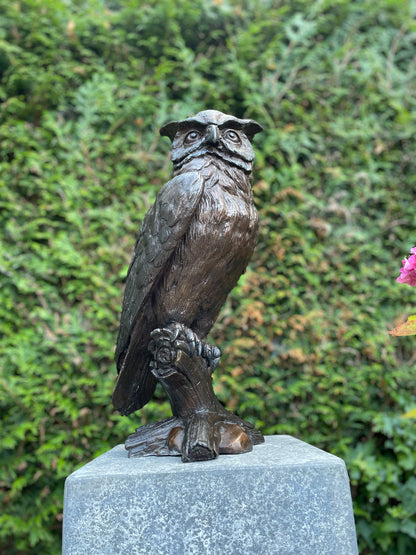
(84, 87)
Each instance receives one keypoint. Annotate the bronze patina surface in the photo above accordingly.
(194, 244)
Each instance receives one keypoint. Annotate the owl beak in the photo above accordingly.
(213, 136)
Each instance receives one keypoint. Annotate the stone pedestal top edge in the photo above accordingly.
(278, 451)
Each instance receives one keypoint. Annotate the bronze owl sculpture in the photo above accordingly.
(194, 244)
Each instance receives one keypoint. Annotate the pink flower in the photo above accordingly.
(408, 270)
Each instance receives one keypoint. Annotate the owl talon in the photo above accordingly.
(212, 355)
(183, 346)
(184, 339)
(191, 345)
(160, 333)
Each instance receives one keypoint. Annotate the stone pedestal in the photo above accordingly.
(285, 497)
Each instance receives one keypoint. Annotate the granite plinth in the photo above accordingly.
(285, 497)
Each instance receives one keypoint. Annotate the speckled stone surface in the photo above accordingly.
(285, 497)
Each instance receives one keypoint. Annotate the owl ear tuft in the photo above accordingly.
(169, 129)
(251, 127)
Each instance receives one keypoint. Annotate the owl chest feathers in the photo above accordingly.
(223, 229)
(213, 253)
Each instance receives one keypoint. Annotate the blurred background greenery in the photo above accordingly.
(84, 87)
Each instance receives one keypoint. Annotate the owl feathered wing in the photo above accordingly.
(163, 227)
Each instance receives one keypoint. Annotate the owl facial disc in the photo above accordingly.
(212, 133)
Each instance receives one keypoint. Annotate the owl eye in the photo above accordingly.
(192, 136)
(232, 136)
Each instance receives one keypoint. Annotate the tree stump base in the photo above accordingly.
(200, 428)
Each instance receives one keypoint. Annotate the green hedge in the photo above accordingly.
(84, 87)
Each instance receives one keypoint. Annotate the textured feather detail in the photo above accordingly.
(163, 228)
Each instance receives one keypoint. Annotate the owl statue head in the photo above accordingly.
(212, 133)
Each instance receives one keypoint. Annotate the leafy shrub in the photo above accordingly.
(84, 87)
